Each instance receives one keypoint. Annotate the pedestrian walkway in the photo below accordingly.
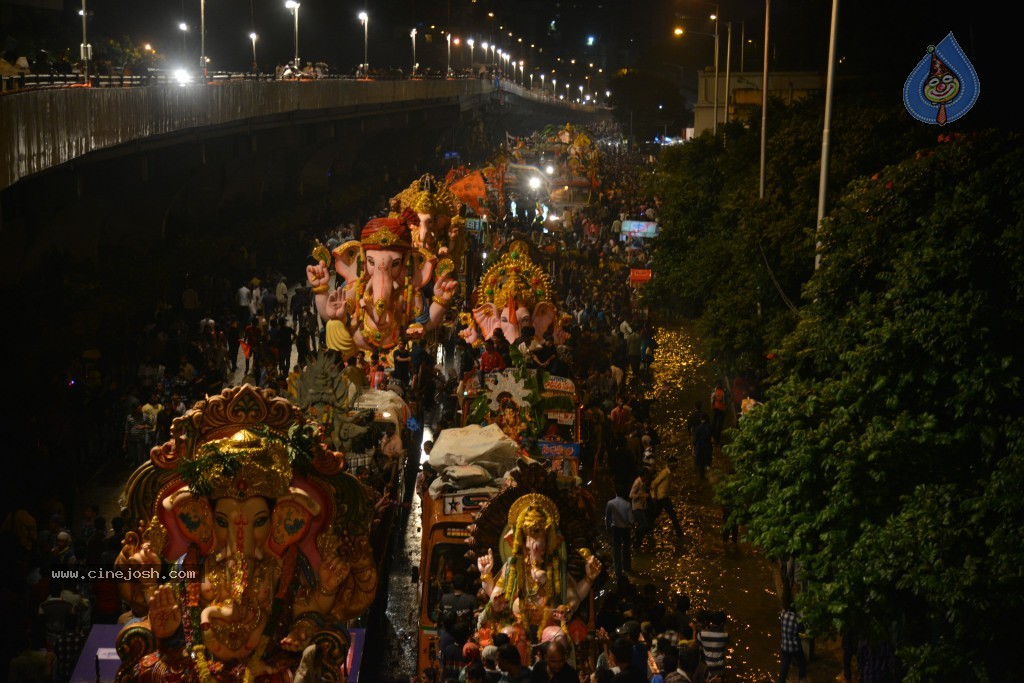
(716, 575)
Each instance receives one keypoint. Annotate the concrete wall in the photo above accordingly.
(43, 129)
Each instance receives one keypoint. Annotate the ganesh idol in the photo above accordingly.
(391, 290)
(514, 293)
(265, 540)
(536, 591)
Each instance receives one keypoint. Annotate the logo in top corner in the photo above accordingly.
(943, 86)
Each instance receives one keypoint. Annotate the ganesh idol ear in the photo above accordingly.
(290, 520)
(544, 315)
(486, 316)
(346, 260)
(193, 517)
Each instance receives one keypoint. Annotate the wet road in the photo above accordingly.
(715, 575)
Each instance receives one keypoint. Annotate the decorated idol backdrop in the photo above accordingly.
(268, 537)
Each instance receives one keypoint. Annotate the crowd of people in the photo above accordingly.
(266, 328)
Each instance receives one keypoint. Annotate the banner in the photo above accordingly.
(638, 276)
(645, 229)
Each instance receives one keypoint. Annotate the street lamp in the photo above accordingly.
(471, 43)
(542, 84)
(581, 94)
(183, 27)
(253, 37)
(86, 49)
(294, 7)
(484, 45)
(448, 70)
(714, 126)
(365, 18)
(202, 38)
(412, 35)
(554, 84)
(522, 73)
(531, 82)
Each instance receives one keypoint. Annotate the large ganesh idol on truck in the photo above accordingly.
(391, 289)
(532, 543)
(263, 539)
(513, 293)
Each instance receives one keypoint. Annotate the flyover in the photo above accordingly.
(81, 168)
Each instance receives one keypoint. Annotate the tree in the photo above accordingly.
(735, 263)
(889, 456)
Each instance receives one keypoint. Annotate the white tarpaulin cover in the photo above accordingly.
(487, 446)
(384, 401)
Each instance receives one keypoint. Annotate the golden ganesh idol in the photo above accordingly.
(262, 538)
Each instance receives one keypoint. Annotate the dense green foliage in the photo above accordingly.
(888, 457)
(736, 264)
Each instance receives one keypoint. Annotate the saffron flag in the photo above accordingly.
(472, 190)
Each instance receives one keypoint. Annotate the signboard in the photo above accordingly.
(645, 229)
(564, 457)
(474, 224)
(463, 503)
(559, 449)
(638, 276)
(562, 384)
(562, 417)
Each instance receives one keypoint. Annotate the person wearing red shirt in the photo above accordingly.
(490, 359)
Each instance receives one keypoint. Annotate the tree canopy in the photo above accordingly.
(888, 455)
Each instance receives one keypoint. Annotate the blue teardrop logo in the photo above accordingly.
(943, 86)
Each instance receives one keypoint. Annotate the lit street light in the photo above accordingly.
(448, 70)
(471, 43)
(294, 7)
(531, 81)
(183, 27)
(412, 35)
(484, 45)
(86, 48)
(253, 37)
(581, 94)
(365, 18)
(554, 84)
(542, 84)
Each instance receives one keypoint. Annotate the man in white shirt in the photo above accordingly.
(243, 299)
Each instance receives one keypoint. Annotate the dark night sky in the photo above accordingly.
(883, 39)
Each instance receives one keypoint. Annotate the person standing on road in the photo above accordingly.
(791, 649)
(243, 299)
(661, 497)
(718, 406)
(618, 520)
(639, 496)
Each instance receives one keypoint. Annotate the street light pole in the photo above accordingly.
(714, 126)
(826, 132)
(448, 68)
(365, 18)
(471, 43)
(202, 38)
(253, 37)
(86, 50)
(764, 96)
(412, 35)
(294, 7)
(728, 56)
(184, 35)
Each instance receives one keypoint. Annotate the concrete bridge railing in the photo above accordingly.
(44, 129)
